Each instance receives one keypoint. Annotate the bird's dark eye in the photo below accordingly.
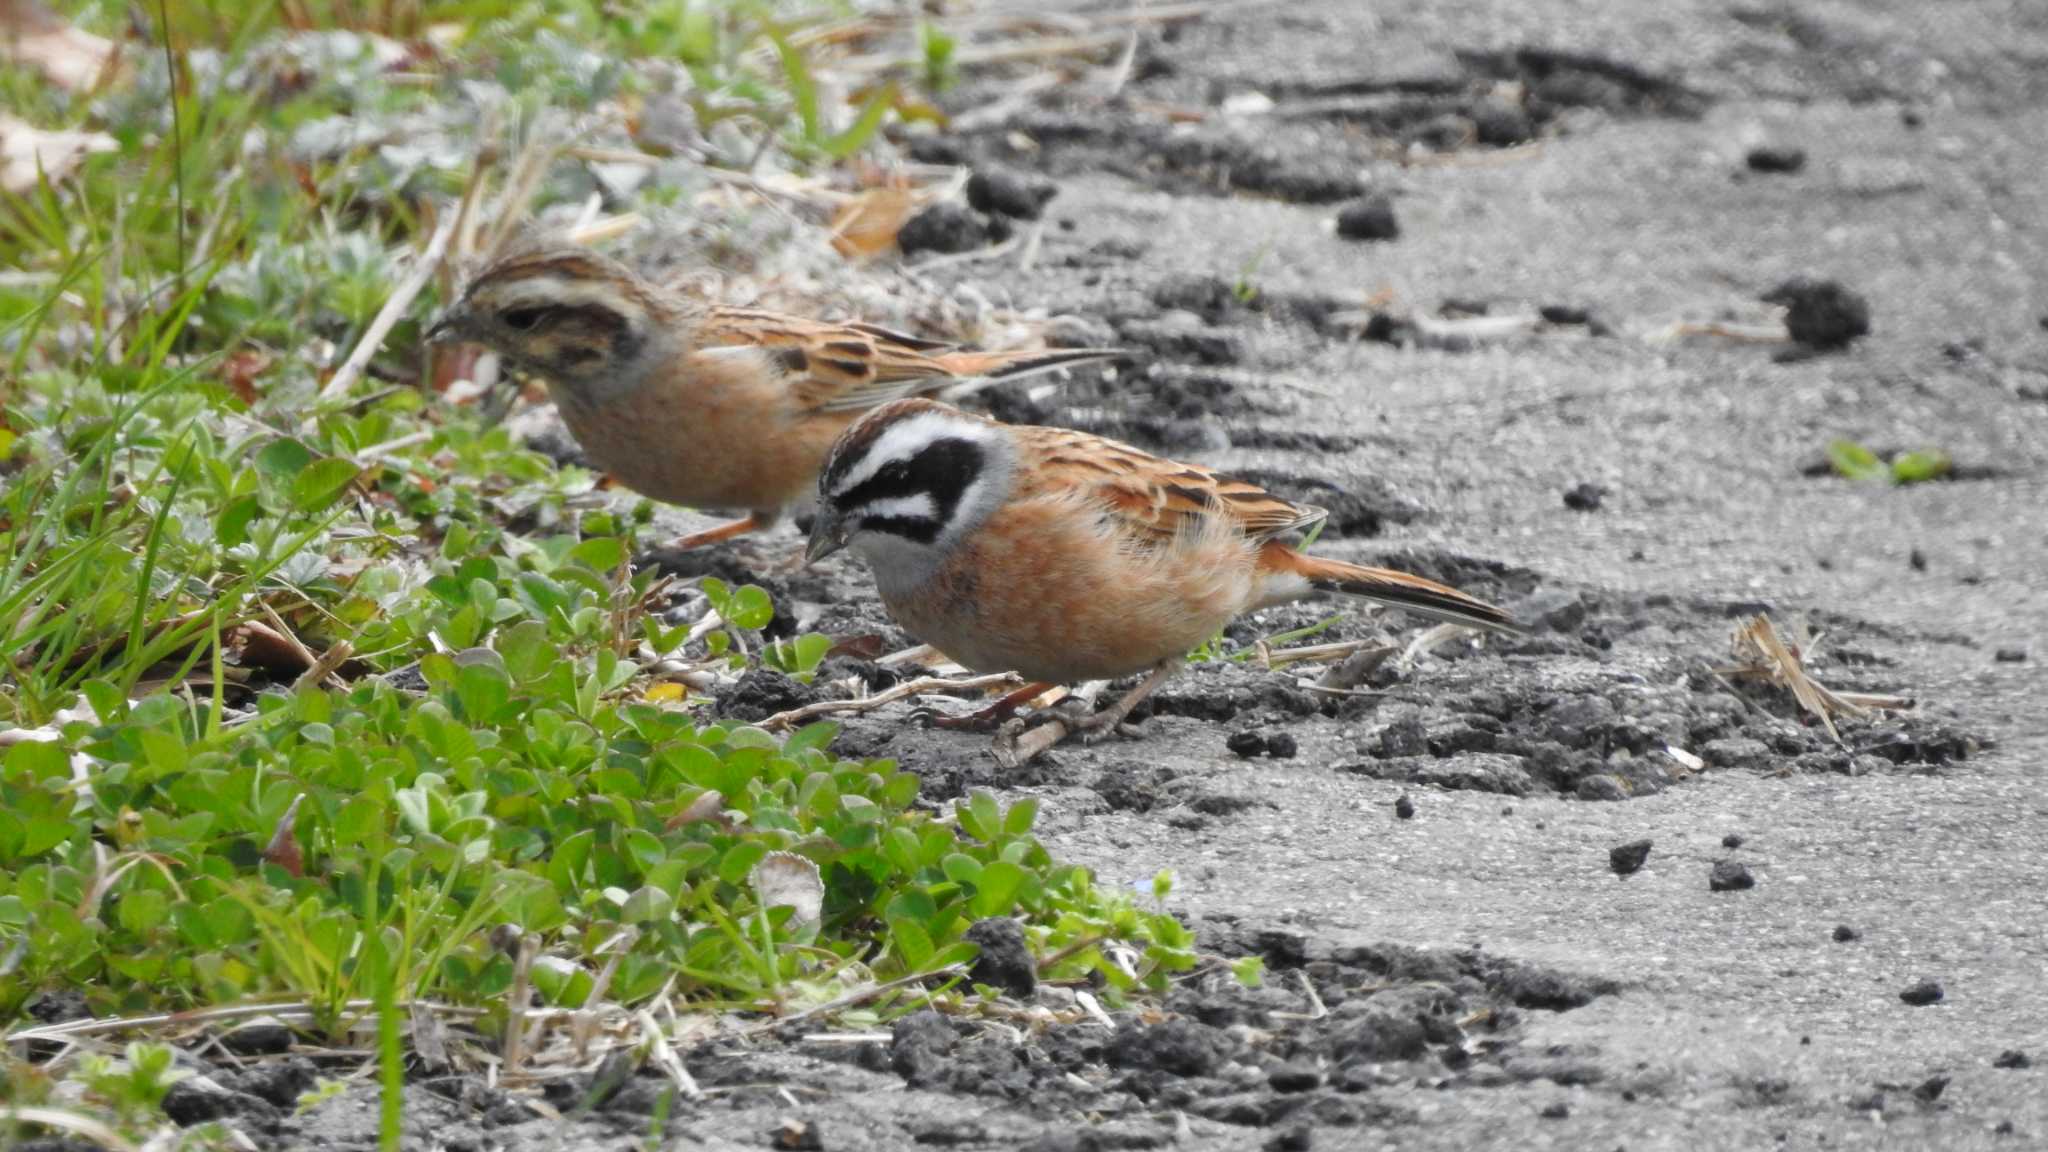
(524, 319)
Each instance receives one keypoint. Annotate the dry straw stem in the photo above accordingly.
(856, 998)
(1762, 654)
(287, 1012)
(929, 684)
(71, 1123)
(388, 317)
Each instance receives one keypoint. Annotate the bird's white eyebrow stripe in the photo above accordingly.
(556, 292)
(917, 506)
(904, 441)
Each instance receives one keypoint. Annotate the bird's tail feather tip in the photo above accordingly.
(1055, 358)
(1410, 593)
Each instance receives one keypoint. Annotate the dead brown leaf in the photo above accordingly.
(283, 849)
(866, 226)
(68, 57)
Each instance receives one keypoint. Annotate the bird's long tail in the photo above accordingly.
(1386, 586)
(989, 367)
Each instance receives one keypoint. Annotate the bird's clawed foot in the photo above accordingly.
(1097, 726)
(988, 719)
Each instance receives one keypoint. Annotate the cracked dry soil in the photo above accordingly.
(1470, 943)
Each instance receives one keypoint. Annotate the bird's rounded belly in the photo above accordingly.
(1072, 613)
(696, 458)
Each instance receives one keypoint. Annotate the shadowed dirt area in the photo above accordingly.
(1477, 974)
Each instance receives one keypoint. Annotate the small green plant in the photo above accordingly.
(798, 656)
(1215, 648)
(135, 1085)
(1218, 648)
(814, 136)
(940, 72)
(1246, 288)
(324, 1089)
(1856, 462)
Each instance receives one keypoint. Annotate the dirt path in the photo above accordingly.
(1741, 1020)
(1702, 1019)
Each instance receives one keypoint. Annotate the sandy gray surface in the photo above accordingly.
(1739, 1022)
(1653, 221)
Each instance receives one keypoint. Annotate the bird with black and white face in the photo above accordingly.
(1064, 557)
(703, 405)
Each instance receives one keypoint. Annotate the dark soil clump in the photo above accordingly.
(1369, 219)
(1005, 961)
(1821, 313)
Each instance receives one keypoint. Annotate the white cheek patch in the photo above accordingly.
(917, 506)
(905, 440)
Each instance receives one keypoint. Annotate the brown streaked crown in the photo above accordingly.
(561, 311)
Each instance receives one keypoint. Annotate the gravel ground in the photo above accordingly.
(1490, 980)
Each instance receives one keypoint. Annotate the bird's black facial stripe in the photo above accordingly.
(577, 331)
(942, 471)
(915, 528)
(525, 319)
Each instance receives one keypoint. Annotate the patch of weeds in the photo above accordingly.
(329, 698)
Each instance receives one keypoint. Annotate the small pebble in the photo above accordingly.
(1776, 158)
(1731, 840)
(1369, 218)
(1917, 559)
(1627, 859)
(1931, 1089)
(1565, 314)
(1295, 1078)
(2004, 1128)
(1404, 808)
(800, 1136)
(1584, 497)
(1871, 1103)
(1924, 993)
(1844, 934)
(1281, 746)
(2013, 1058)
(1246, 744)
(1300, 1138)
(1730, 876)
(1498, 124)
(2011, 656)
(263, 1036)
(1557, 1111)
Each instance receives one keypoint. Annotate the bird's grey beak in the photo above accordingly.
(445, 328)
(828, 535)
